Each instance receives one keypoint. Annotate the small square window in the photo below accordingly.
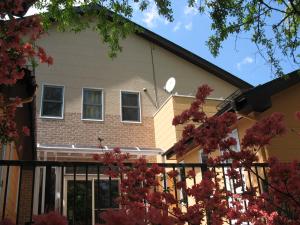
(130, 106)
(92, 104)
(52, 101)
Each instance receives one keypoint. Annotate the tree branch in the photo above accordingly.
(276, 189)
(271, 8)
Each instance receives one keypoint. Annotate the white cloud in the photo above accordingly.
(151, 16)
(245, 61)
(189, 26)
(177, 26)
(166, 22)
(190, 10)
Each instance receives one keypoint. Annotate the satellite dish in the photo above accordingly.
(170, 84)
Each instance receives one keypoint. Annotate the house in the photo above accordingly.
(87, 96)
(254, 104)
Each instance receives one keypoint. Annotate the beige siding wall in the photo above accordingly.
(165, 133)
(81, 60)
(182, 103)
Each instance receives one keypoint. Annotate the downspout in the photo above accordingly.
(154, 76)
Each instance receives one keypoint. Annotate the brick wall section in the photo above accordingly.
(72, 130)
(25, 196)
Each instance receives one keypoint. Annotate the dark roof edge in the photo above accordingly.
(262, 93)
(279, 84)
(191, 57)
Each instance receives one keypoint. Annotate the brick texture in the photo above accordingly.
(72, 130)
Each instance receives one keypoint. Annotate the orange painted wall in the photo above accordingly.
(287, 147)
(245, 123)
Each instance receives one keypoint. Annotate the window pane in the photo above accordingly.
(130, 114)
(106, 195)
(83, 202)
(52, 109)
(204, 157)
(53, 93)
(92, 104)
(92, 97)
(92, 112)
(130, 99)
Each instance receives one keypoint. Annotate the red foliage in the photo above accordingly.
(26, 131)
(6, 222)
(144, 200)
(17, 50)
(52, 218)
(264, 131)
(297, 114)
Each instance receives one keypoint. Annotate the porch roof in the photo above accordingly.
(76, 150)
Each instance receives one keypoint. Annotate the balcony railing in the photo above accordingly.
(81, 190)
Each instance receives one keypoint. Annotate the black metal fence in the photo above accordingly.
(81, 190)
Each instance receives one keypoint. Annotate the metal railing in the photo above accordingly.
(81, 190)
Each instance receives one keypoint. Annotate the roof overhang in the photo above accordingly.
(259, 99)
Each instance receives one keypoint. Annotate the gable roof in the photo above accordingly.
(177, 50)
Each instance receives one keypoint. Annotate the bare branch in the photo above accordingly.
(271, 8)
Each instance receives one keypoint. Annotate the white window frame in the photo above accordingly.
(81, 177)
(235, 134)
(63, 102)
(140, 106)
(102, 99)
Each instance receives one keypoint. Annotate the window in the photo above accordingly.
(234, 134)
(203, 158)
(83, 198)
(106, 194)
(96, 196)
(130, 106)
(92, 108)
(52, 101)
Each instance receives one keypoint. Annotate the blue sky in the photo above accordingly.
(191, 30)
